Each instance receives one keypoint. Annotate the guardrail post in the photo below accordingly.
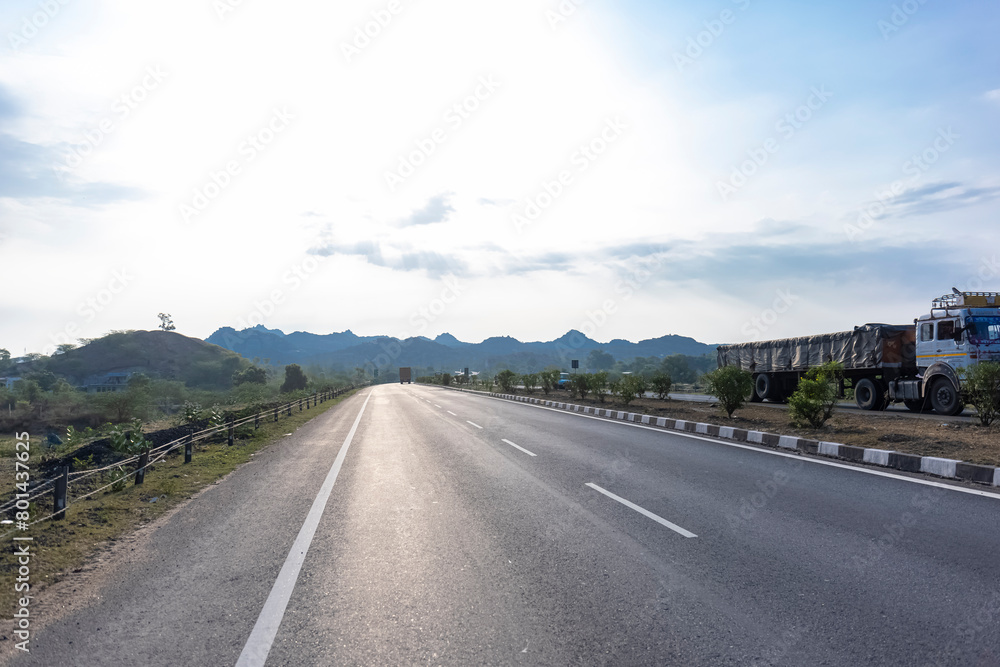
(289, 409)
(276, 414)
(188, 448)
(232, 430)
(307, 403)
(59, 495)
(256, 421)
(140, 470)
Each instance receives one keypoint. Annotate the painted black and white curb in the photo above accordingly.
(881, 457)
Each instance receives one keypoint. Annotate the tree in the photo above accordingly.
(530, 381)
(982, 387)
(813, 400)
(63, 348)
(4, 356)
(661, 383)
(599, 360)
(678, 367)
(731, 385)
(166, 323)
(295, 379)
(507, 379)
(251, 375)
(628, 388)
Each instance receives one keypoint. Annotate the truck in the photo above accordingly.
(405, 375)
(920, 365)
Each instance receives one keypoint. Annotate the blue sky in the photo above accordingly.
(723, 170)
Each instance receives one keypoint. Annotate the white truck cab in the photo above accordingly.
(962, 329)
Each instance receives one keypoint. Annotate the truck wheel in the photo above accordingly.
(754, 396)
(869, 395)
(914, 404)
(764, 387)
(944, 397)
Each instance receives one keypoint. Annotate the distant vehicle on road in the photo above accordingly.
(563, 380)
(405, 375)
(918, 364)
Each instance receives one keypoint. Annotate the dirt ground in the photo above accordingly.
(901, 432)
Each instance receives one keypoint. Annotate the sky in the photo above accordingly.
(730, 170)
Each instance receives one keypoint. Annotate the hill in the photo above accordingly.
(346, 350)
(159, 354)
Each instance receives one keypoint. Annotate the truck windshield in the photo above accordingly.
(983, 330)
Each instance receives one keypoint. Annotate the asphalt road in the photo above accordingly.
(464, 530)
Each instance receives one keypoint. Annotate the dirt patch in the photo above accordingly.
(911, 434)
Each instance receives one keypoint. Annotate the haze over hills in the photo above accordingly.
(349, 350)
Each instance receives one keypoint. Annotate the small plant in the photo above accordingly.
(128, 438)
(216, 417)
(661, 383)
(579, 385)
(84, 463)
(628, 388)
(530, 381)
(982, 388)
(192, 412)
(119, 479)
(816, 396)
(731, 386)
(549, 379)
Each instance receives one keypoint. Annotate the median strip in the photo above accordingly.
(646, 513)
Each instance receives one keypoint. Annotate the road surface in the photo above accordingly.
(416, 525)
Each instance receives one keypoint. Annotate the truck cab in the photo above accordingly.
(563, 380)
(962, 329)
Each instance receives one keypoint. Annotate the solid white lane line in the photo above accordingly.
(262, 637)
(518, 447)
(473, 423)
(451, 413)
(658, 519)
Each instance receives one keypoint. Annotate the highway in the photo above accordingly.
(417, 525)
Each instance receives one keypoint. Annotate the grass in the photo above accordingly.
(60, 547)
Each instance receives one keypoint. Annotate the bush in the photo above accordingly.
(628, 388)
(813, 401)
(549, 379)
(598, 383)
(731, 386)
(661, 383)
(530, 382)
(982, 388)
(579, 385)
(508, 380)
(128, 438)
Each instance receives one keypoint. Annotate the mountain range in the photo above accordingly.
(348, 350)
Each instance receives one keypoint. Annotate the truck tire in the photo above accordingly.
(915, 404)
(945, 398)
(869, 394)
(765, 387)
(754, 396)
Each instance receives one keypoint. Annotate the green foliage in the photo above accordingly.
(295, 379)
(507, 379)
(816, 396)
(599, 360)
(216, 417)
(45, 379)
(83, 463)
(628, 388)
(128, 438)
(166, 322)
(549, 378)
(192, 412)
(251, 375)
(598, 384)
(579, 385)
(731, 386)
(981, 385)
(27, 390)
(446, 379)
(119, 479)
(530, 382)
(661, 383)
